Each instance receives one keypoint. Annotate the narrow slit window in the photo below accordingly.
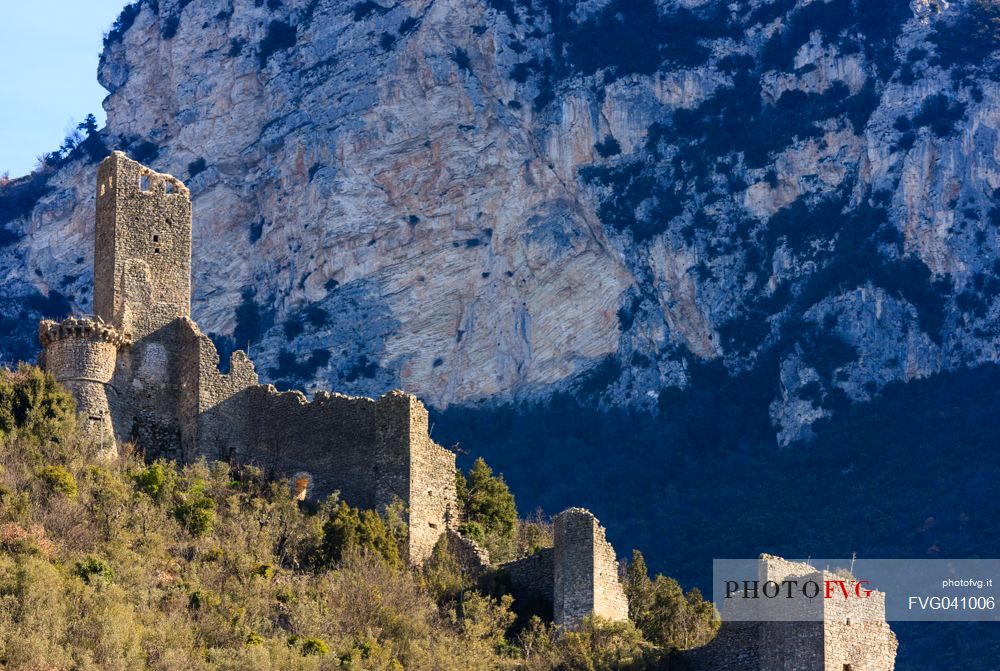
(156, 238)
(144, 183)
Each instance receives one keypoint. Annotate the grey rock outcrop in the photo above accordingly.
(479, 200)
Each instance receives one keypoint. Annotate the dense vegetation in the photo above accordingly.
(130, 565)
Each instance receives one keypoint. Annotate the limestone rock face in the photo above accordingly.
(482, 200)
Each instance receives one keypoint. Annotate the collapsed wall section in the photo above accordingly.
(215, 414)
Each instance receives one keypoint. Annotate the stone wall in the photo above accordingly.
(330, 439)
(531, 580)
(586, 571)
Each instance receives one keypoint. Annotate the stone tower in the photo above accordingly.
(142, 251)
(585, 571)
(81, 352)
(812, 635)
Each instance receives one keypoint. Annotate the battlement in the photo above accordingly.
(112, 177)
(81, 328)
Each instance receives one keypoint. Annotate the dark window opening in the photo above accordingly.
(156, 250)
(156, 238)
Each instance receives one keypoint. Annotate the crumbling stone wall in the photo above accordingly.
(473, 559)
(331, 439)
(531, 580)
(586, 571)
(215, 414)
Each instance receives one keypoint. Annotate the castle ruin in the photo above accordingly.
(141, 371)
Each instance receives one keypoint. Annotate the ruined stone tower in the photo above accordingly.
(82, 352)
(142, 371)
(586, 571)
(577, 577)
(142, 251)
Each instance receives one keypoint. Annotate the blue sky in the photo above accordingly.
(48, 82)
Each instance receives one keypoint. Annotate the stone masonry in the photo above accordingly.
(578, 576)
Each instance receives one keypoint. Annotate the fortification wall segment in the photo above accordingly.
(586, 571)
(143, 218)
(330, 440)
(736, 647)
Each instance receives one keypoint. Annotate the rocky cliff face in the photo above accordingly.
(482, 200)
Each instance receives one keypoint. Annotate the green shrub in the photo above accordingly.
(315, 646)
(33, 404)
(487, 502)
(664, 614)
(598, 645)
(348, 531)
(92, 569)
(154, 480)
(473, 530)
(58, 480)
(194, 511)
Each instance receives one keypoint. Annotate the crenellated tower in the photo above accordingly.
(81, 352)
